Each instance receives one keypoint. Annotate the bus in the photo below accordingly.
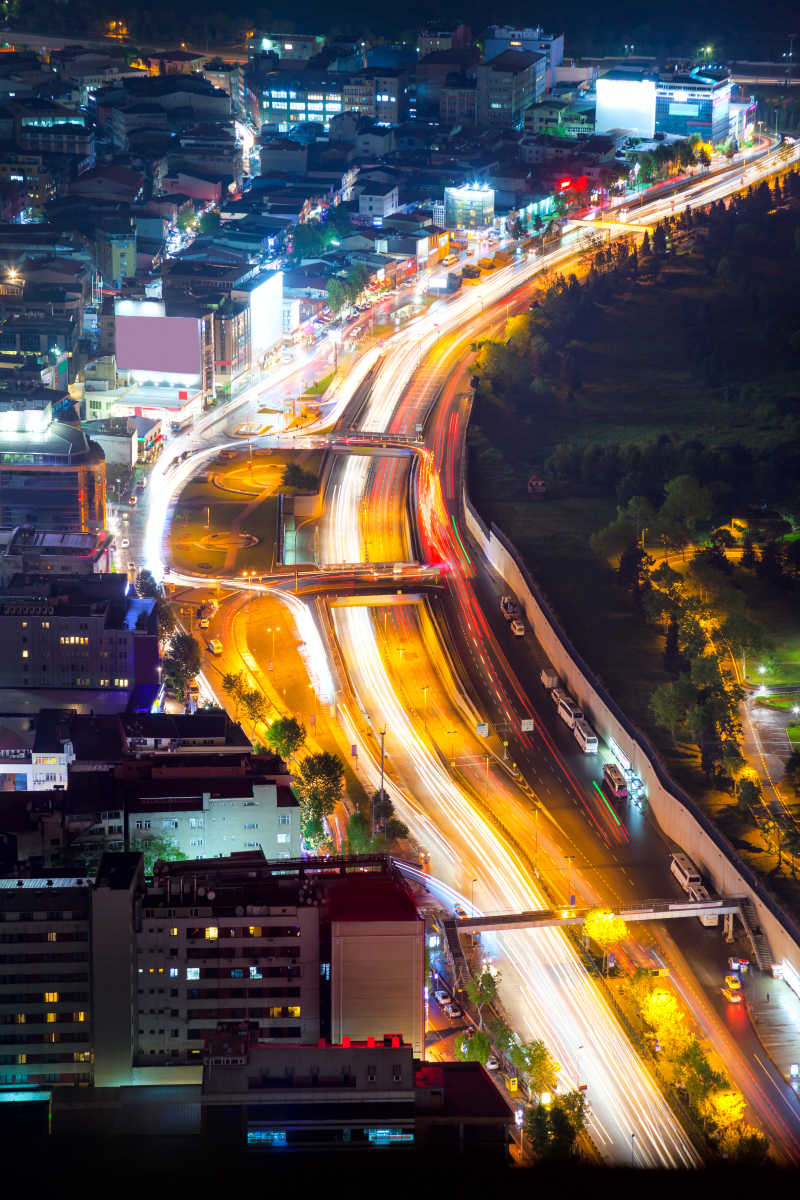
(585, 736)
(685, 871)
(566, 707)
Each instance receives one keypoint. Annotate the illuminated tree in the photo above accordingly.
(724, 1110)
(285, 736)
(538, 1064)
(482, 991)
(605, 929)
(661, 1011)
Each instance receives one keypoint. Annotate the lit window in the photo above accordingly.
(212, 933)
(52, 936)
(79, 1017)
(20, 1018)
(293, 1010)
(192, 972)
(174, 931)
(51, 1018)
(51, 997)
(174, 972)
(82, 1056)
(24, 653)
(22, 1059)
(282, 839)
(254, 931)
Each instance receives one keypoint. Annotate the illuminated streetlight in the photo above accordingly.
(762, 670)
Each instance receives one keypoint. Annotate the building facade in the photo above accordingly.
(507, 86)
(51, 474)
(152, 970)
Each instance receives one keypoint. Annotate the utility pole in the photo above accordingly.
(383, 760)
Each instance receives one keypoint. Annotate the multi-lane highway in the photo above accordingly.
(428, 672)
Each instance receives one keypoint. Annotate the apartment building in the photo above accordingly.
(286, 951)
(507, 86)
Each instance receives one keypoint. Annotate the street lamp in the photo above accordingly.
(472, 902)
(633, 1149)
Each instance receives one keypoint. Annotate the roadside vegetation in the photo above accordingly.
(658, 401)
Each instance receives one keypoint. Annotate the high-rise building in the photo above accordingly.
(508, 37)
(51, 474)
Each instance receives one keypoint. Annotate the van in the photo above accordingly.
(585, 736)
(685, 871)
(549, 678)
(215, 646)
(568, 710)
(614, 781)
(557, 695)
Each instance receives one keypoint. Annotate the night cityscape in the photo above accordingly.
(400, 594)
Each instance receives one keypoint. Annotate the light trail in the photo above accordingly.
(561, 1002)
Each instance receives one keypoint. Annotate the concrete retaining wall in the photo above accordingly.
(680, 818)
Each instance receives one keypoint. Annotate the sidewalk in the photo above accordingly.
(774, 1012)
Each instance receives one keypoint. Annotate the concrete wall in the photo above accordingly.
(680, 818)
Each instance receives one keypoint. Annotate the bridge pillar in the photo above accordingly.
(727, 926)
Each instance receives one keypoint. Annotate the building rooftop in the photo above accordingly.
(372, 898)
(513, 61)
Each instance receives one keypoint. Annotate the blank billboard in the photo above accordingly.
(266, 314)
(164, 344)
(626, 104)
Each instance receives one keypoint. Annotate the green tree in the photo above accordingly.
(182, 662)
(186, 219)
(255, 705)
(358, 835)
(286, 736)
(695, 1074)
(295, 477)
(476, 1048)
(745, 637)
(319, 784)
(538, 1064)
(482, 990)
(337, 294)
(686, 503)
(553, 1130)
(501, 1035)
(669, 704)
(208, 222)
(235, 686)
(157, 849)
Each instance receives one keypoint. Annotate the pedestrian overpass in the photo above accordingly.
(645, 910)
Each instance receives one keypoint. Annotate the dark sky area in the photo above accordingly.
(736, 28)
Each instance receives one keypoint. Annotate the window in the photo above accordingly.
(282, 839)
(192, 972)
(79, 1017)
(20, 1018)
(22, 1059)
(284, 819)
(174, 931)
(24, 653)
(51, 1018)
(252, 825)
(174, 972)
(169, 823)
(293, 1010)
(52, 936)
(212, 933)
(142, 824)
(254, 931)
(51, 997)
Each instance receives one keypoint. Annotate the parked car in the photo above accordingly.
(215, 646)
(204, 623)
(517, 628)
(441, 997)
(509, 607)
(492, 1063)
(453, 1011)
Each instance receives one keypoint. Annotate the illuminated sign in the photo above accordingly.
(626, 104)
